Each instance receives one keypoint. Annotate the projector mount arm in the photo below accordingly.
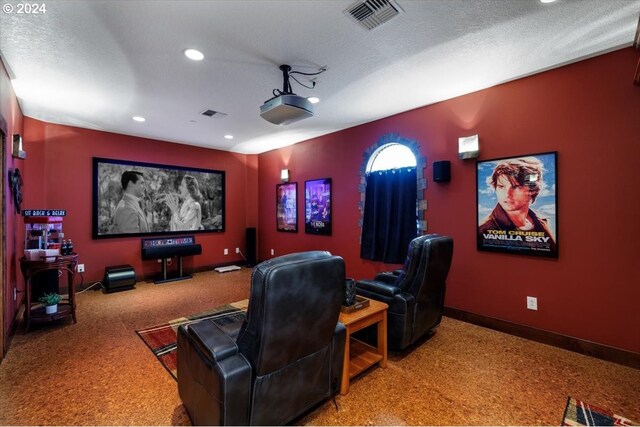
(286, 85)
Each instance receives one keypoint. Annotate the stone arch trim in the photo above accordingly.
(421, 164)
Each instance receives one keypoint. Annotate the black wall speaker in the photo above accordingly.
(251, 247)
(442, 171)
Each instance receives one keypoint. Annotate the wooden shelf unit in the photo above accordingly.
(362, 356)
(359, 356)
(34, 312)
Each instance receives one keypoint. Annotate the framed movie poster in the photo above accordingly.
(138, 199)
(517, 205)
(317, 206)
(287, 207)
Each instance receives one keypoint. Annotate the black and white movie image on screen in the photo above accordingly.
(134, 198)
(517, 205)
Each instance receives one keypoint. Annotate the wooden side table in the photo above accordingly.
(359, 356)
(66, 307)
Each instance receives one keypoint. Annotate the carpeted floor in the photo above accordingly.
(99, 372)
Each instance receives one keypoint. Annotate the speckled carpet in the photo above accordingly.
(161, 339)
(579, 413)
(99, 372)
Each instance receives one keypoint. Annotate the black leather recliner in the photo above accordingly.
(415, 294)
(287, 355)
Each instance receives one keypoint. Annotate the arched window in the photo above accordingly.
(391, 156)
(392, 188)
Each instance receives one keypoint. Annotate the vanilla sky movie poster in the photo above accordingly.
(517, 205)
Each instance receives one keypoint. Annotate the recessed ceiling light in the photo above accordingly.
(547, 1)
(313, 99)
(193, 54)
(138, 118)
(228, 137)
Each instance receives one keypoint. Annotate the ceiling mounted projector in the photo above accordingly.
(286, 107)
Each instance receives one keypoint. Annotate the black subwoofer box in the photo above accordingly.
(119, 278)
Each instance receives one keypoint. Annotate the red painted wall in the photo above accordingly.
(58, 175)
(589, 112)
(13, 120)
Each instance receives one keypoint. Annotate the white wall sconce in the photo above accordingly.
(468, 147)
(16, 149)
(284, 175)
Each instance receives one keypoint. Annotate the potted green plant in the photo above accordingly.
(50, 302)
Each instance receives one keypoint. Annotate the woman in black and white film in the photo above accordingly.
(188, 215)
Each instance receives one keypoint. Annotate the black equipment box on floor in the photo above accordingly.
(119, 278)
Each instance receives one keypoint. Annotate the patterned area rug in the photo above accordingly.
(161, 339)
(579, 413)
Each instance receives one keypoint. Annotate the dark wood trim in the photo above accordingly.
(239, 263)
(600, 351)
(153, 276)
(200, 269)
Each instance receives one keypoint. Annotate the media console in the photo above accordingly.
(166, 248)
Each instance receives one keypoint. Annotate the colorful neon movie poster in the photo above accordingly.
(317, 196)
(287, 207)
(517, 205)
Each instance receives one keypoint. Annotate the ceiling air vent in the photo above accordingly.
(372, 13)
(214, 114)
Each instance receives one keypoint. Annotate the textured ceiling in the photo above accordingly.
(95, 64)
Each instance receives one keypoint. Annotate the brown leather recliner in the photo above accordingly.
(282, 360)
(415, 294)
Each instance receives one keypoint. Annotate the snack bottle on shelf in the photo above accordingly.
(64, 248)
(69, 247)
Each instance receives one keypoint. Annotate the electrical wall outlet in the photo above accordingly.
(237, 250)
(226, 251)
(273, 251)
(532, 303)
(80, 268)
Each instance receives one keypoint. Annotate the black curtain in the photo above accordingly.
(389, 215)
